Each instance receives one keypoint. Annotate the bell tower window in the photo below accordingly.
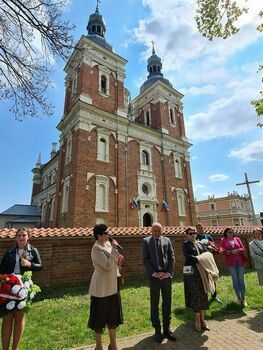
(93, 29)
(103, 83)
(145, 158)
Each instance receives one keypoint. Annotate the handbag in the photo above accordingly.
(244, 258)
(188, 270)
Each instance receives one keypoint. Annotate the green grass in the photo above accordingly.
(58, 319)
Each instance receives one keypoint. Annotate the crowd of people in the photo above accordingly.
(200, 274)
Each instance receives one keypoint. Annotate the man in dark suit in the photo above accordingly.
(158, 260)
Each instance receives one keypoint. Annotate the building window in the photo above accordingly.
(102, 193)
(102, 145)
(172, 116)
(68, 150)
(145, 189)
(178, 168)
(98, 29)
(44, 212)
(181, 202)
(74, 86)
(148, 119)
(65, 195)
(93, 29)
(214, 223)
(103, 84)
(212, 207)
(52, 209)
(145, 158)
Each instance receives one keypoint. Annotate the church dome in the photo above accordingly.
(154, 68)
(96, 29)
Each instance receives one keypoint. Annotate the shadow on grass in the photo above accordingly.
(228, 310)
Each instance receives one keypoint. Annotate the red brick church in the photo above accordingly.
(121, 162)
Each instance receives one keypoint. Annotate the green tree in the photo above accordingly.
(217, 18)
(32, 35)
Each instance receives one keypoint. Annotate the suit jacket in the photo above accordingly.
(104, 278)
(149, 255)
(9, 260)
(233, 258)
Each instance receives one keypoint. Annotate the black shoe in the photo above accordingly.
(169, 335)
(215, 299)
(158, 337)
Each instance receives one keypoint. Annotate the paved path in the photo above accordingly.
(237, 332)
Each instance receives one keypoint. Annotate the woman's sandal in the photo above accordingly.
(204, 327)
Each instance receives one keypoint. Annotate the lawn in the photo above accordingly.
(58, 320)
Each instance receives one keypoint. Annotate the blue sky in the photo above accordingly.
(218, 80)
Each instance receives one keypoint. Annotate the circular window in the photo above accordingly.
(145, 189)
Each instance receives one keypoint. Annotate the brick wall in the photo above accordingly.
(67, 259)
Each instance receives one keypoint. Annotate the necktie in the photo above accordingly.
(159, 255)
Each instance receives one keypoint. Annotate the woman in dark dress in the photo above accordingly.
(18, 259)
(195, 296)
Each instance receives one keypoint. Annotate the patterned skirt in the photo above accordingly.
(195, 296)
(106, 311)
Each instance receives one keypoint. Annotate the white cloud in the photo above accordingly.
(218, 177)
(209, 89)
(228, 116)
(249, 152)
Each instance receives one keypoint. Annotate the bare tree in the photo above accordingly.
(32, 35)
(217, 18)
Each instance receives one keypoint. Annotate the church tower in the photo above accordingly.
(121, 162)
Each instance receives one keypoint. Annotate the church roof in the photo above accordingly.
(22, 210)
(116, 231)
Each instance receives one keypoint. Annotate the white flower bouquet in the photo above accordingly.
(16, 292)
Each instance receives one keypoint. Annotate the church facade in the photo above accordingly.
(121, 162)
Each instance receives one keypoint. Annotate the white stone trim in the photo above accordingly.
(180, 194)
(65, 195)
(102, 180)
(178, 167)
(103, 149)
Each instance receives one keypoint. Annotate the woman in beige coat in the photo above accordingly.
(105, 304)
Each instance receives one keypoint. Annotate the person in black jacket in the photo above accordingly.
(195, 296)
(23, 257)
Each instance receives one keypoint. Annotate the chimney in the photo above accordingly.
(53, 151)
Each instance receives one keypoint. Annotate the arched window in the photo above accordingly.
(148, 120)
(103, 84)
(99, 29)
(145, 158)
(177, 168)
(151, 69)
(172, 116)
(159, 69)
(101, 197)
(93, 29)
(181, 203)
(145, 189)
(65, 197)
(103, 149)
(147, 220)
(154, 68)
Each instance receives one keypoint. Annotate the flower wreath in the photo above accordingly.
(16, 292)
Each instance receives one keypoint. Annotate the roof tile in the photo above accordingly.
(117, 231)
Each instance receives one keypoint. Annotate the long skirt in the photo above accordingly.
(106, 311)
(195, 296)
